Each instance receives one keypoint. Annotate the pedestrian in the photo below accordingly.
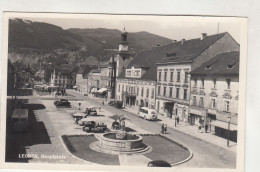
(165, 128)
(99, 108)
(206, 128)
(199, 127)
(103, 103)
(162, 128)
(178, 119)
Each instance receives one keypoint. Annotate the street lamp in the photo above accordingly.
(228, 120)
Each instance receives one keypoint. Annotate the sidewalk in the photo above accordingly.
(192, 130)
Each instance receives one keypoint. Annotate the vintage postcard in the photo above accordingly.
(110, 91)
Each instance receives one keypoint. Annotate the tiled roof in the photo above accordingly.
(222, 64)
(190, 49)
(148, 59)
(175, 52)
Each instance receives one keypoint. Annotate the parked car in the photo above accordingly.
(91, 111)
(158, 163)
(116, 103)
(62, 103)
(146, 113)
(78, 116)
(111, 103)
(92, 126)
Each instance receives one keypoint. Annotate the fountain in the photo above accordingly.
(120, 142)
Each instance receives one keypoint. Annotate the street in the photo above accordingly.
(57, 122)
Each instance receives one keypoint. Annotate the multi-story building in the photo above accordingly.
(173, 79)
(136, 84)
(64, 76)
(215, 94)
(93, 81)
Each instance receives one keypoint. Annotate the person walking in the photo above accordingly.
(163, 128)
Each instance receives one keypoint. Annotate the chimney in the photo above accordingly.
(203, 35)
(174, 41)
(182, 41)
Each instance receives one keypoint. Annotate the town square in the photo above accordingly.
(117, 96)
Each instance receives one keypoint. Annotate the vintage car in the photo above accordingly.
(116, 103)
(91, 111)
(78, 116)
(62, 103)
(158, 163)
(92, 126)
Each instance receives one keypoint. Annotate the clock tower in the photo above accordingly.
(123, 56)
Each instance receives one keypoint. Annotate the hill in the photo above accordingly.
(36, 42)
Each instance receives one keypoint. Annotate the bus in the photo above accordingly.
(19, 120)
(146, 113)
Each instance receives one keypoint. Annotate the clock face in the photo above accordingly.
(123, 47)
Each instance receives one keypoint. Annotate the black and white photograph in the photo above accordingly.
(106, 90)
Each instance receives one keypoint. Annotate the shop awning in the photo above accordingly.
(102, 90)
(224, 125)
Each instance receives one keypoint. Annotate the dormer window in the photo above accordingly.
(208, 67)
(128, 72)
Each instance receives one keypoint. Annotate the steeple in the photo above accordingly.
(124, 36)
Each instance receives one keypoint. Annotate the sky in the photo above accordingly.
(172, 27)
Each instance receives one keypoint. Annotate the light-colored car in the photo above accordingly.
(148, 114)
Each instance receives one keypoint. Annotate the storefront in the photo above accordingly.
(220, 128)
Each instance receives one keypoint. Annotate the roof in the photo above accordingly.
(222, 64)
(65, 69)
(87, 70)
(148, 59)
(190, 49)
(173, 52)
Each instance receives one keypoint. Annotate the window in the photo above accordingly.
(213, 103)
(202, 83)
(228, 83)
(170, 94)
(185, 94)
(164, 91)
(227, 106)
(137, 72)
(194, 101)
(214, 83)
(195, 82)
(178, 76)
(159, 90)
(186, 77)
(142, 92)
(201, 103)
(152, 96)
(160, 76)
(119, 88)
(171, 78)
(137, 91)
(177, 92)
(165, 76)
(123, 88)
(128, 72)
(147, 93)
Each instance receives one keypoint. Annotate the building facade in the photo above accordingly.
(63, 76)
(215, 94)
(136, 86)
(173, 78)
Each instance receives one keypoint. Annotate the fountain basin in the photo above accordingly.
(108, 143)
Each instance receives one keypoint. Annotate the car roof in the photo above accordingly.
(146, 108)
(160, 163)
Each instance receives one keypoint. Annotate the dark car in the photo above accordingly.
(92, 126)
(116, 103)
(91, 112)
(62, 103)
(158, 163)
(111, 103)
